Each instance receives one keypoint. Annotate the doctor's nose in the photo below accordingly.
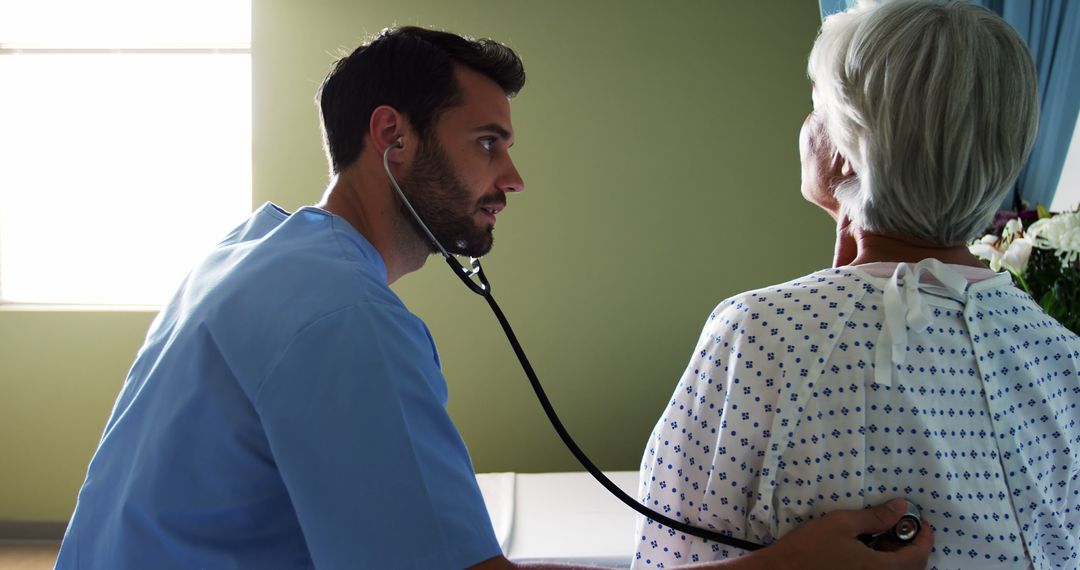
(511, 180)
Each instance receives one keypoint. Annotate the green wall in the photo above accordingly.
(658, 145)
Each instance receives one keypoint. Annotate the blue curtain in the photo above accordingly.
(1051, 29)
(830, 7)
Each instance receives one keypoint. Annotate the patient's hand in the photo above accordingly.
(831, 542)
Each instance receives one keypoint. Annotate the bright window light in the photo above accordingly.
(83, 24)
(1067, 197)
(120, 166)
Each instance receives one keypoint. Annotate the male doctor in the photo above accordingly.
(288, 411)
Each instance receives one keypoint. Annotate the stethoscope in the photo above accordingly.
(477, 282)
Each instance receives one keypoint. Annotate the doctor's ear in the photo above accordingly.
(389, 132)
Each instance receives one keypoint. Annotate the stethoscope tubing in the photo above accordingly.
(483, 288)
(584, 459)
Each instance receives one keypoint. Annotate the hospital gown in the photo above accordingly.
(843, 389)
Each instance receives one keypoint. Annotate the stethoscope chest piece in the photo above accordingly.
(903, 532)
(908, 527)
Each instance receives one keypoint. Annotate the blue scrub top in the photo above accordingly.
(286, 411)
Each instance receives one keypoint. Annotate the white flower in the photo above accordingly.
(1017, 249)
(1016, 256)
(1060, 233)
(1012, 228)
(986, 249)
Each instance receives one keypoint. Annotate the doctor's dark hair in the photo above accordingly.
(412, 70)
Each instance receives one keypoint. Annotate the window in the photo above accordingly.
(1067, 197)
(125, 146)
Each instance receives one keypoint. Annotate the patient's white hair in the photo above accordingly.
(935, 106)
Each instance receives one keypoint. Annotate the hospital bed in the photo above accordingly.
(561, 517)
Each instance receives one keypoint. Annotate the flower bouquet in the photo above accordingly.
(1042, 250)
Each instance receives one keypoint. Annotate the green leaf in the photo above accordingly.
(1023, 282)
(1043, 212)
(1048, 301)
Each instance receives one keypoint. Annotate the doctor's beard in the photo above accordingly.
(442, 200)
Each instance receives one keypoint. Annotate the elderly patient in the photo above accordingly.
(908, 369)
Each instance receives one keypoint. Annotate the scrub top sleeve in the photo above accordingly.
(376, 471)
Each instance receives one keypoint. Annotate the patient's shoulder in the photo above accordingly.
(819, 291)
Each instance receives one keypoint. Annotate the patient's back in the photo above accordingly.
(780, 417)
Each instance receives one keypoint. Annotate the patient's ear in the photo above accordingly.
(840, 170)
(846, 170)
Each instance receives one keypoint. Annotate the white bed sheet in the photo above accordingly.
(562, 517)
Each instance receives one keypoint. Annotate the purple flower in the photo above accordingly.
(1002, 217)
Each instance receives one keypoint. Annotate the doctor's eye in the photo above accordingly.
(488, 143)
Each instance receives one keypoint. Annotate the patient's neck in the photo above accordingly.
(872, 247)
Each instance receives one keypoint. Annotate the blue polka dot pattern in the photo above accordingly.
(778, 420)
